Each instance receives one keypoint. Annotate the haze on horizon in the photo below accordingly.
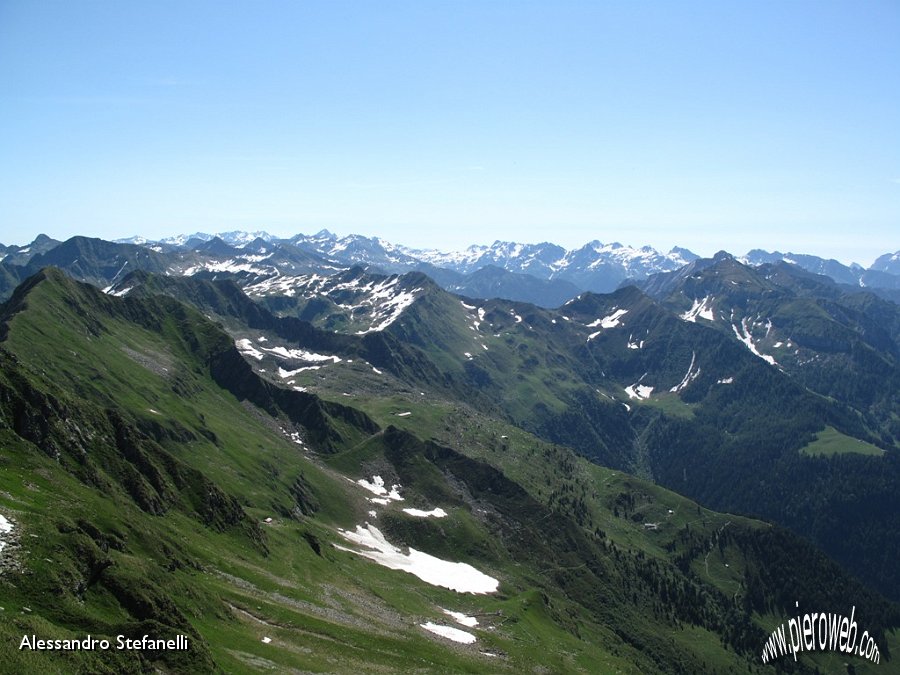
(707, 125)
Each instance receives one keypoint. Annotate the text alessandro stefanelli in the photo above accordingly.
(89, 643)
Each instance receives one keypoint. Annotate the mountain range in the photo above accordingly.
(543, 274)
(331, 454)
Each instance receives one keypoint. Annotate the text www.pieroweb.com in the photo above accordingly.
(820, 631)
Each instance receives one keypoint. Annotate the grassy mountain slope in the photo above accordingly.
(142, 456)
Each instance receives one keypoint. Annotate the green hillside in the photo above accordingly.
(142, 459)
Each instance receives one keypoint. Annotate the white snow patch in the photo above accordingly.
(689, 376)
(459, 577)
(377, 487)
(285, 374)
(700, 308)
(744, 336)
(373, 514)
(449, 632)
(434, 513)
(246, 347)
(392, 306)
(610, 321)
(725, 380)
(300, 354)
(266, 640)
(377, 372)
(5, 528)
(466, 306)
(233, 265)
(404, 414)
(639, 391)
(461, 618)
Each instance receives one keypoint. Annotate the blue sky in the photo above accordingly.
(444, 123)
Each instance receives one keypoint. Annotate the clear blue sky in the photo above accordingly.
(443, 123)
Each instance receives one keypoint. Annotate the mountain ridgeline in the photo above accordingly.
(543, 274)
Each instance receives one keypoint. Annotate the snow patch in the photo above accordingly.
(459, 577)
(689, 376)
(725, 380)
(701, 308)
(5, 528)
(233, 266)
(639, 391)
(744, 336)
(461, 618)
(300, 354)
(246, 347)
(377, 487)
(434, 513)
(392, 306)
(449, 632)
(285, 374)
(610, 321)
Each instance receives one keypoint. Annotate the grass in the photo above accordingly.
(667, 402)
(831, 442)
